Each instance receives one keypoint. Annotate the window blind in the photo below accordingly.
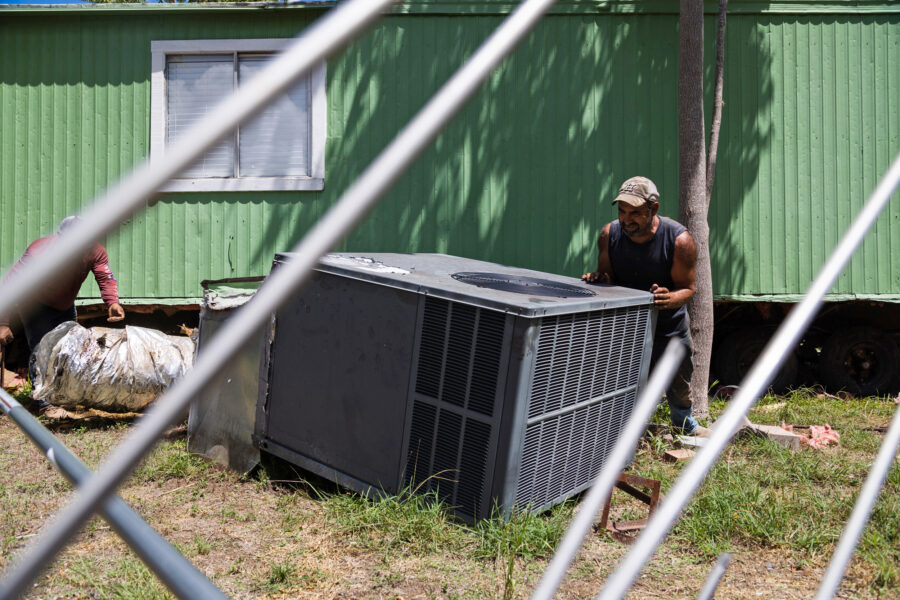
(276, 143)
(195, 84)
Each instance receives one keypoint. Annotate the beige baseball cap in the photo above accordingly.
(637, 191)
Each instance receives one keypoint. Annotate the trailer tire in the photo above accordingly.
(740, 349)
(860, 360)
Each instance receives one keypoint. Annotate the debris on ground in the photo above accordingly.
(819, 436)
(725, 392)
(679, 454)
(692, 441)
(14, 381)
(80, 415)
(113, 370)
(771, 407)
(841, 395)
(777, 434)
(191, 332)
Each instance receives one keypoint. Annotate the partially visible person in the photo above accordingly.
(55, 303)
(643, 251)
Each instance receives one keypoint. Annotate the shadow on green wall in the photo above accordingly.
(525, 173)
(745, 137)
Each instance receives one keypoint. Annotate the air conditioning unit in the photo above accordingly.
(492, 385)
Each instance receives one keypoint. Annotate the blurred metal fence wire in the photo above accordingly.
(166, 562)
(322, 39)
(319, 41)
(621, 453)
(753, 385)
(834, 573)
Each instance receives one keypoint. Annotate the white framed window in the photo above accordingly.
(282, 148)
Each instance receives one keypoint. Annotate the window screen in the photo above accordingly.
(276, 143)
(196, 83)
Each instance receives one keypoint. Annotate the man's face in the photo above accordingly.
(637, 222)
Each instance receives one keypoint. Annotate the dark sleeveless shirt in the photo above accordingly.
(639, 266)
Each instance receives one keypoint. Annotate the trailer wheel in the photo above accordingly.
(860, 360)
(740, 349)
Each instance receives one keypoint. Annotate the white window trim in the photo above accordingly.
(318, 118)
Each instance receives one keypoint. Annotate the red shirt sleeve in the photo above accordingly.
(63, 291)
(106, 281)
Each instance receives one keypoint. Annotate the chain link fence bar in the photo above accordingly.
(715, 576)
(787, 336)
(860, 515)
(169, 565)
(328, 231)
(602, 487)
(322, 39)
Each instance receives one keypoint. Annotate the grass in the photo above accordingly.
(123, 579)
(23, 396)
(421, 524)
(524, 534)
(281, 575)
(406, 523)
(257, 538)
(173, 461)
(760, 494)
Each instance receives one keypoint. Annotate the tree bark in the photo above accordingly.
(718, 102)
(692, 202)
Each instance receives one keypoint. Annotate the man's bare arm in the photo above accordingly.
(604, 272)
(684, 274)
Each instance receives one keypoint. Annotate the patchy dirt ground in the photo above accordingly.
(254, 539)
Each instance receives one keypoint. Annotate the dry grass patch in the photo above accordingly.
(778, 513)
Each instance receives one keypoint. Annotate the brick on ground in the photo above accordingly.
(678, 454)
(777, 434)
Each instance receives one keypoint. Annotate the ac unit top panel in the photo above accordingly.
(499, 287)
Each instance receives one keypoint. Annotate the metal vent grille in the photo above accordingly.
(431, 351)
(457, 374)
(459, 355)
(587, 355)
(564, 453)
(587, 368)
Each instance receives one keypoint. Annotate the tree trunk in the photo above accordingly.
(718, 103)
(692, 190)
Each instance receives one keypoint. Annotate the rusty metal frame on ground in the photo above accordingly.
(629, 483)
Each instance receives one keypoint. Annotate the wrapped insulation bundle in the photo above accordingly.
(115, 370)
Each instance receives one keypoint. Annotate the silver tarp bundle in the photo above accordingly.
(116, 370)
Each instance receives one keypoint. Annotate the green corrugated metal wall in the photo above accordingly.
(812, 120)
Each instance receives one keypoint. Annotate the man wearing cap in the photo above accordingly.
(644, 251)
(55, 303)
